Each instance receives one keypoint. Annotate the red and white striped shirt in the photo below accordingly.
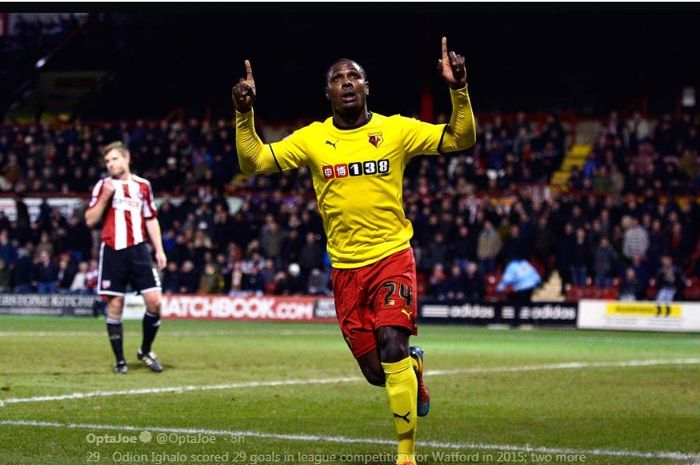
(124, 221)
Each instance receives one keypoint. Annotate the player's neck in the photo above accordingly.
(124, 176)
(351, 120)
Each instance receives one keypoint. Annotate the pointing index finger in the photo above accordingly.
(444, 49)
(248, 70)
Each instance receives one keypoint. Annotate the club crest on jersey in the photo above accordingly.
(376, 138)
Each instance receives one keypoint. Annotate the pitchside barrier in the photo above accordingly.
(586, 314)
(558, 314)
(682, 317)
(47, 304)
(247, 308)
(177, 306)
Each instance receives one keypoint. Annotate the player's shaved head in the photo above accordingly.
(347, 89)
(344, 61)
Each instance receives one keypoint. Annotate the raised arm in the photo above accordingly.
(460, 132)
(254, 157)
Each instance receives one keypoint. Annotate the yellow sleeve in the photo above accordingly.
(255, 157)
(422, 138)
(460, 133)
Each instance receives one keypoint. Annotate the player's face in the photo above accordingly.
(346, 88)
(117, 163)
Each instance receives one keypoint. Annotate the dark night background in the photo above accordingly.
(588, 58)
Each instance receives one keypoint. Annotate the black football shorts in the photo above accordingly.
(131, 266)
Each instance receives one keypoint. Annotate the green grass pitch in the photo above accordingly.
(291, 394)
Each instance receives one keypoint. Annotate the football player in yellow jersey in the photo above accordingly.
(357, 160)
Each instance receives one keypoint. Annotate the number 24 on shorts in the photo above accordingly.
(405, 292)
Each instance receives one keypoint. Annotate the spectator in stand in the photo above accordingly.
(642, 268)
(67, 269)
(638, 127)
(311, 254)
(268, 273)
(435, 252)
(636, 238)
(604, 263)
(464, 246)
(187, 278)
(617, 181)
(601, 182)
(437, 281)
(543, 245)
(527, 229)
(45, 274)
(8, 252)
(79, 283)
(292, 282)
(170, 278)
(291, 246)
(45, 245)
(488, 247)
(11, 171)
(474, 283)
(271, 238)
(92, 276)
(580, 259)
(454, 284)
(5, 276)
(236, 279)
(210, 282)
(253, 280)
(669, 281)
(514, 244)
(522, 278)
(678, 245)
(589, 167)
(657, 242)
(318, 283)
(595, 233)
(631, 287)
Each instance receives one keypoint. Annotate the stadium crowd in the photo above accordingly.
(627, 221)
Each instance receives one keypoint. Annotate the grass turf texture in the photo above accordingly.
(642, 409)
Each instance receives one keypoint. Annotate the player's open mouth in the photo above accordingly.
(349, 97)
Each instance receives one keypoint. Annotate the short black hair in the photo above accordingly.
(344, 60)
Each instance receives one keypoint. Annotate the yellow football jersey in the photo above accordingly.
(358, 179)
(357, 175)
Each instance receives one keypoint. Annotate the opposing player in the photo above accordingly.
(124, 203)
(357, 160)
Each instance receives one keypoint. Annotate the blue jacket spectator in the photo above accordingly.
(522, 277)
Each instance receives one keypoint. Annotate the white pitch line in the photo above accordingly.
(346, 379)
(568, 366)
(179, 389)
(346, 440)
(232, 332)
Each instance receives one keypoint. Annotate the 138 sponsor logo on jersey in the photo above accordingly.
(366, 168)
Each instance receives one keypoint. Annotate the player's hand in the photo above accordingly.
(108, 188)
(451, 67)
(243, 92)
(161, 260)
